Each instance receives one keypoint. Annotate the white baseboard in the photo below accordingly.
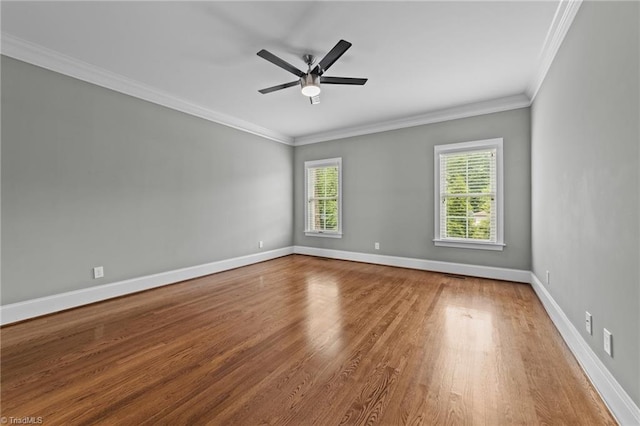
(619, 402)
(426, 265)
(46, 305)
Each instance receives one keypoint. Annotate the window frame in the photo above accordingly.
(329, 162)
(495, 143)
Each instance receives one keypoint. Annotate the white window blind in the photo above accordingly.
(323, 197)
(468, 194)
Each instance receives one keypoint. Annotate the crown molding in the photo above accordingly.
(464, 111)
(37, 55)
(34, 54)
(562, 20)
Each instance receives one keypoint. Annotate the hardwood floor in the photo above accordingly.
(301, 341)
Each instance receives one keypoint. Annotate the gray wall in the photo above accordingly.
(388, 190)
(94, 177)
(585, 182)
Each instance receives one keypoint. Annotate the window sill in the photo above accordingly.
(477, 245)
(323, 234)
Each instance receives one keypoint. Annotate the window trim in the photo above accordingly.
(322, 163)
(495, 143)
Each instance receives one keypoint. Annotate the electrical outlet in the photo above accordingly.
(608, 342)
(98, 272)
(376, 246)
(547, 279)
(587, 318)
(260, 244)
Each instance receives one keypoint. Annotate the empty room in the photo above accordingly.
(320, 212)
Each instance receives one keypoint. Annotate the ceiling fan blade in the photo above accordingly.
(279, 87)
(343, 80)
(280, 62)
(333, 55)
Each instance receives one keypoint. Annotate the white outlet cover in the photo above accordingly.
(260, 244)
(588, 322)
(608, 337)
(98, 272)
(376, 246)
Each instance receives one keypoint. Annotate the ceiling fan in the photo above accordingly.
(311, 80)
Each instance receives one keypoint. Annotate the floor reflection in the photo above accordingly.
(324, 315)
(469, 328)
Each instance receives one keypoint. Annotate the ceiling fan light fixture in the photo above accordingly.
(310, 85)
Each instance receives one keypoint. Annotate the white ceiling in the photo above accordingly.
(419, 57)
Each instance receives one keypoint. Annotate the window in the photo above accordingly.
(323, 193)
(468, 195)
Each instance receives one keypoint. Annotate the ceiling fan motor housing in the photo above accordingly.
(310, 84)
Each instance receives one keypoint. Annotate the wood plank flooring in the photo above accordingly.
(301, 341)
